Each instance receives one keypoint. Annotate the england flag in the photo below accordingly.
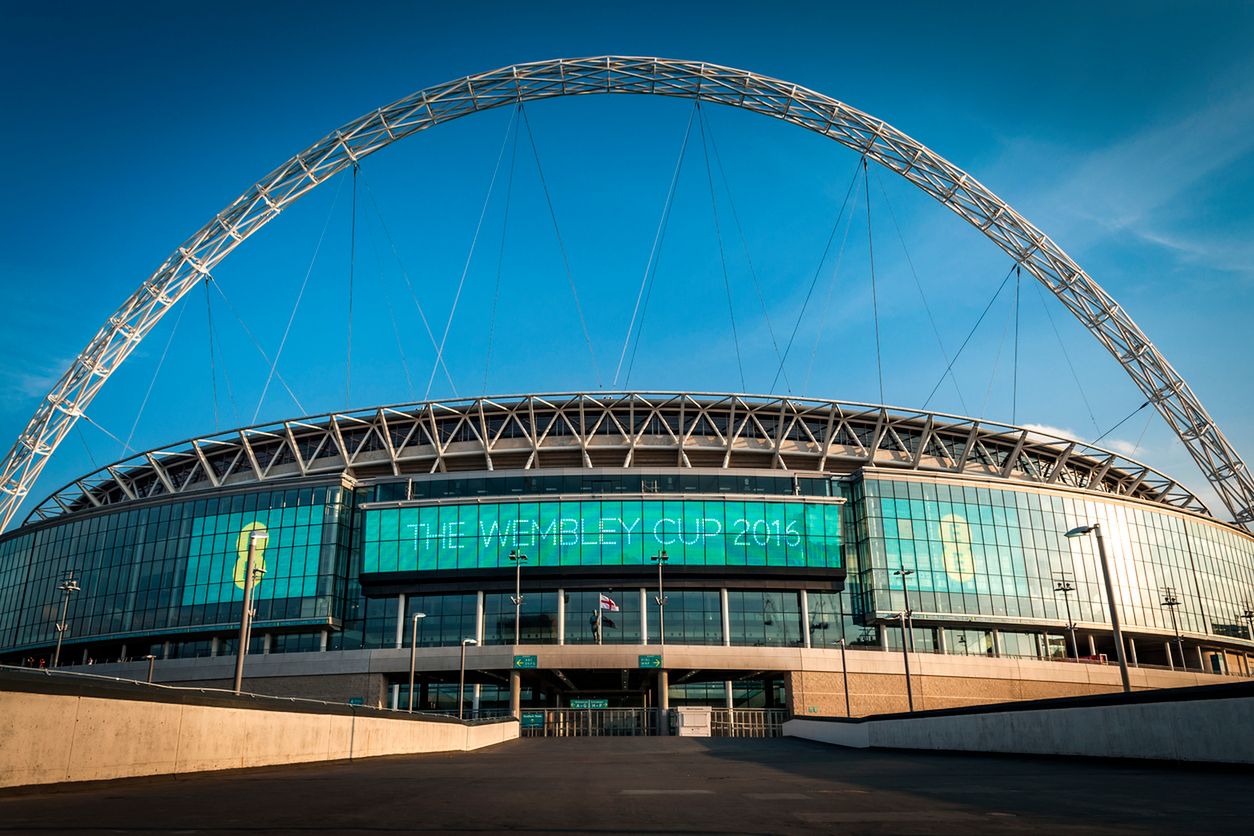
(607, 603)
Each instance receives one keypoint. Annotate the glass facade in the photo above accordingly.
(176, 567)
(601, 533)
(996, 555)
(981, 565)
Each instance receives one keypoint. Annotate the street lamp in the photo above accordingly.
(413, 654)
(906, 633)
(68, 587)
(844, 669)
(1095, 528)
(1170, 601)
(461, 679)
(257, 539)
(517, 598)
(660, 559)
(1066, 587)
(152, 660)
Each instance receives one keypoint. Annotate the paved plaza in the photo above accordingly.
(652, 785)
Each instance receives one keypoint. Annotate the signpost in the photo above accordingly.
(524, 662)
(532, 720)
(589, 703)
(651, 661)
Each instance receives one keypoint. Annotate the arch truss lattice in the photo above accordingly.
(878, 141)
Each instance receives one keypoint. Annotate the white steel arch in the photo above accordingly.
(878, 141)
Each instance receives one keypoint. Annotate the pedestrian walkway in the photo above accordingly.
(657, 785)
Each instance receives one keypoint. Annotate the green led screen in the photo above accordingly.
(602, 533)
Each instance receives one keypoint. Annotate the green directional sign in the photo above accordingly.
(652, 661)
(524, 661)
(532, 720)
(589, 703)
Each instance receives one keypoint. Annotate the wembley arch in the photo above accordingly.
(878, 141)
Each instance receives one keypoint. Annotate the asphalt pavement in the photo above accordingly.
(656, 785)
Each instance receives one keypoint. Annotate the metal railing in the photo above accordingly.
(748, 722)
(588, 722)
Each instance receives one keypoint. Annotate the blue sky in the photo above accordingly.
(1122, 130)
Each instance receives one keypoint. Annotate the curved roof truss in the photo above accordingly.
(662, 430)
(878, 141)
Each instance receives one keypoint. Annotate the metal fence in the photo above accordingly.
(588, 722)
(636, 722)
(748, 722)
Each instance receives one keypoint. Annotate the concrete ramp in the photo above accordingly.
(57, 727)
(1212, 724)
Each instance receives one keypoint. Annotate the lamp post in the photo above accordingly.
(906, 633)
(257, 538)
(68, 587)
(1248, 616)
(660, 559)
(517, 597)
(1171, 601)
(1095, 528)
(1066, 587)
(152, 661)
(844, 669)
(461, 679)
(413, 655)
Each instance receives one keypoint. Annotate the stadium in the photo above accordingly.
(630, 551)
(785, 524)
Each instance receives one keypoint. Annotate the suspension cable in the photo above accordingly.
(853, 181)
(213, 366)
(409, 285)
(299, 296)
(153, 382)
(744, 245)
(78, 430)
(1121, 423)
(827, 299)
(1066, 356)
(940, 343)
(256, 344)
(352, 263)
(387, 301)
(500, 258)
(875, 306)
(561, 244)
(718, 233)
(983, 313)
(474, 241)
(125, 447)
(650, 267)
(1014, 385)
(1001, 345)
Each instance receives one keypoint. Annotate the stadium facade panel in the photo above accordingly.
(785, 523)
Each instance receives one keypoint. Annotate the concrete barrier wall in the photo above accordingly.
(1212, 730)
(50, 738)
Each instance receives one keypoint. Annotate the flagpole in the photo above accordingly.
(600, 609)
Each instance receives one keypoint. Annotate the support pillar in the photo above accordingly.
(1171, 662)
(400, 620)
(561, 616)
(644, 616)
(1201, 660)
(942, 646)
(663, 702)
(479, 617)
(394, 697)
(722, 597)
(1132, 652)
(805, 622)
(515, 694)
(475, 692)
(1092, 646)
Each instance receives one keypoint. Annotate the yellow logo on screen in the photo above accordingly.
(955, 535)
(259, 557)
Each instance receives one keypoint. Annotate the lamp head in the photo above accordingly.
(419, 615)
(1080, 531)
(516, 557)
(661, 557)
(470, 641)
